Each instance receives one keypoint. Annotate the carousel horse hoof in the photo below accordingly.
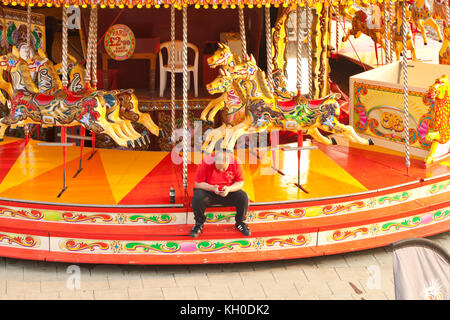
(371, 142)
(440, 41)
(333, 141)
(426, 43)
(129, 144)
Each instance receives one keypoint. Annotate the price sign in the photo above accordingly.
(120, 42)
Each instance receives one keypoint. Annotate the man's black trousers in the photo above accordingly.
(203, 199)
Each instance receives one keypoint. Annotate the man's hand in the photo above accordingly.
(224, 192)
(216, 189)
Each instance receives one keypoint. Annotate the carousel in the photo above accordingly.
(94, 170)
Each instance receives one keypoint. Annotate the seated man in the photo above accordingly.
(219, 180)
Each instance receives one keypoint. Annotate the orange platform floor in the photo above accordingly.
(32, 172)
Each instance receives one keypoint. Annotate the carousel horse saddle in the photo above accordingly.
(287, 105)
(45, 99)
(318, 102)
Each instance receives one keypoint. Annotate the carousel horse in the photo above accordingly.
(127, 101)
(345, 10)
(223, 58)
(264, 114)
(421, 15)
(439, 133)
(362, 22)
(397, 36)
(444, 53)
(99, 113)
(233, 112)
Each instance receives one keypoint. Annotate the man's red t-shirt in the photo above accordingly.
(207, 172)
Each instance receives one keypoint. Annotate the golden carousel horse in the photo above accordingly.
(397, 35)
(222, 58)
(421, 15)
(265, 113)
(126, 100)
(439, 132)
(99, 112)
(444, 52)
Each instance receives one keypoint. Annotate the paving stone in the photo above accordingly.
(2, 287)
(125, 283)
(22, 287)
(111, 294)
(159, 281)
(340, 287)
(180, 293)
(360, 259)
(285, 290)
(350, 274)
(224, 278)
(146, 294)
(55, 286)
(321, 274)
(94, 284)
(331, 261)
(77, 295)
(249, 291)
(303, 264)
(264, 276)
(289, 275)
(238, 267)
(191, 279)
(313, 288)
(214, 292)
(40, 273)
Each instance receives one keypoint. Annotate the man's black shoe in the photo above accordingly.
(243, 228)
(196, 230)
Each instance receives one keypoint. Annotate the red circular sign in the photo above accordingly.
(120, 42)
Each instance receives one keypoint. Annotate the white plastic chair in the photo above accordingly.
(165, 68)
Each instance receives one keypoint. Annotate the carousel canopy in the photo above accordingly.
(182, 3)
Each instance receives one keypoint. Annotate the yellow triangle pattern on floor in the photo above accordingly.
(35, 160)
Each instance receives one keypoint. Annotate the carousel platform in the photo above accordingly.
(117, 209)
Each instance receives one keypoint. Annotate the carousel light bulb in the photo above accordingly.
(197, 6)
(206, 6)
(166, 6)
(233, 6)
(14, 3)
(250, 6)
(267, 5)
(157, 6)
(214, 6)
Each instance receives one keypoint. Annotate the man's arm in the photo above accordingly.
(206, 186)
(236, 186)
